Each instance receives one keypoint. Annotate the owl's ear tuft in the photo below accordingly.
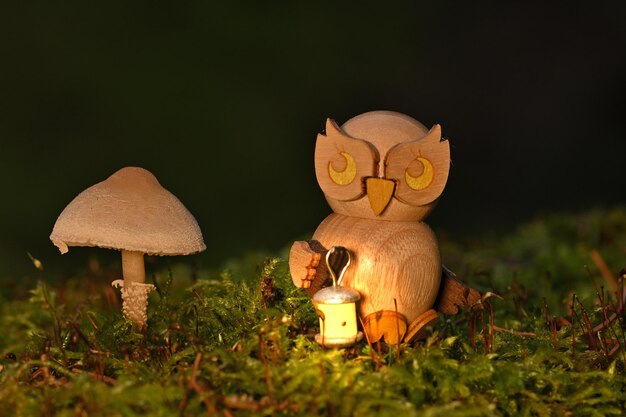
(433, 136)
(332, 129)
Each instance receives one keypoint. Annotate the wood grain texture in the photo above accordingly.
(379, 193)
(453, 294)
(387, 325)
(403, 158)
(396, 264)
(396, 211)
(307, 268)
(401, 150)
(419, 328)
(390, 260)
(330, 150)
(384, 129)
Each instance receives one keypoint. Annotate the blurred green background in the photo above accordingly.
(222, 102)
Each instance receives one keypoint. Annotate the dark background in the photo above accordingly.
(223, 103)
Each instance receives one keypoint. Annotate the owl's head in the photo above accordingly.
(382, 165)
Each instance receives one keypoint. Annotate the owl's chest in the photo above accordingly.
(379, 240)
(397, 251)
(392, 262)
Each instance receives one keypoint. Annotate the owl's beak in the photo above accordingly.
(379, 193)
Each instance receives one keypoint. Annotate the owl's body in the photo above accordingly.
(381, 173)
(394, 261)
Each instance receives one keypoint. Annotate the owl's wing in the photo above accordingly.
(307, 266)
(454, 294)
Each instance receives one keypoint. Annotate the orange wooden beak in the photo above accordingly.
(379, 192)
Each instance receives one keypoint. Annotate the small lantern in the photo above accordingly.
(336, 307)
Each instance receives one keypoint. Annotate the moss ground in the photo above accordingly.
(240, 342)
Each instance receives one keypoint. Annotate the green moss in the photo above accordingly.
(241, 342)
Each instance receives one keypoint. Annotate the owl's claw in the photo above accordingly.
(315, 260)
(311, 272)
(304, 264)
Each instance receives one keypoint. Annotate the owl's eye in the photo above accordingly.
(424, 178)
(347, 175)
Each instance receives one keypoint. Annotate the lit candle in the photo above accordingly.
(336, 307)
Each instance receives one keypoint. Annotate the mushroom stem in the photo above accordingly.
(134, 291)
(133, 267)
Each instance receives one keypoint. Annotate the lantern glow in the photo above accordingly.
(336, 308)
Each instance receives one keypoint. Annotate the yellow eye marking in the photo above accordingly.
(346, 176)
(424, 179)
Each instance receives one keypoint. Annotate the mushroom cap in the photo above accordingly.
(130, 211)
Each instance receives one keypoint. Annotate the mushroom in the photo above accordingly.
(130, 212)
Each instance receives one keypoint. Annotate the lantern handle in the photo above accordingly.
(331, 251)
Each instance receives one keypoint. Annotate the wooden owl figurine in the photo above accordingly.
(382, 173)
